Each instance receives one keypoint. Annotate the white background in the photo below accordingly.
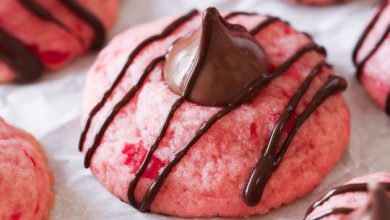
(50, 109)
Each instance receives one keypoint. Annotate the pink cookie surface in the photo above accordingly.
(209, 180)
(375, 74)
(25, 180)
(52, 44)
(352, 200)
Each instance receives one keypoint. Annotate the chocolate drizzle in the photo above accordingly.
(81, 12)
(361, 63)
(41, 12)
(253, 192)
(238, 13)
(25, 64)
(94, 22)
(270, 158)
(349, 188)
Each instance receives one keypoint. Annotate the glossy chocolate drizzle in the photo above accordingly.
(26, 64)
(349, 188)
(270, 158)
(93, 21)
(41, 12)
(361, 63)
(81, 12)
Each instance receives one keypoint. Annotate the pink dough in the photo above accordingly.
(209, 180)
(375, 75)
(54, 46)
(25, 180)
(352, 200)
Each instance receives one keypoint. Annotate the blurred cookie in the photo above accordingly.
(25, 179)
(38, 34)
(371, 57)
(365, 197)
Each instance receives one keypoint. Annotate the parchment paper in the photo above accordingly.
(50, 109)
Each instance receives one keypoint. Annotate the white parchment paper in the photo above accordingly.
(50, 109)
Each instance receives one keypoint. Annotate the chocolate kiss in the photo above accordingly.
(210, 66)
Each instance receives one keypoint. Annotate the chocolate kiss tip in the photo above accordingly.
(212, 10)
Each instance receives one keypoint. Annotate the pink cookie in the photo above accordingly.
(38, 34)
(25, 180)
(318, 2)
(356, 198)
(371, 57)
(199, 164)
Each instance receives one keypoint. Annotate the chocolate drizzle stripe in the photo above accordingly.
(166, 32)
(148, 157)
(260, 26)
(93, 21)
(366, 31)
(13, 52)
(329, 212)
(118, 106)
(46, 15)
(256, 84)
(238, 13)
(355, 187)
(270, 158)
(81, 12)
(264, 24)
(360, 65)
(42, 12)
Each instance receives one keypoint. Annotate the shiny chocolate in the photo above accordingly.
(221, 57)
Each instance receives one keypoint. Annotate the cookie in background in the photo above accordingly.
(25, 179)
(41, 35)
(361, 198)
(371, 57)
